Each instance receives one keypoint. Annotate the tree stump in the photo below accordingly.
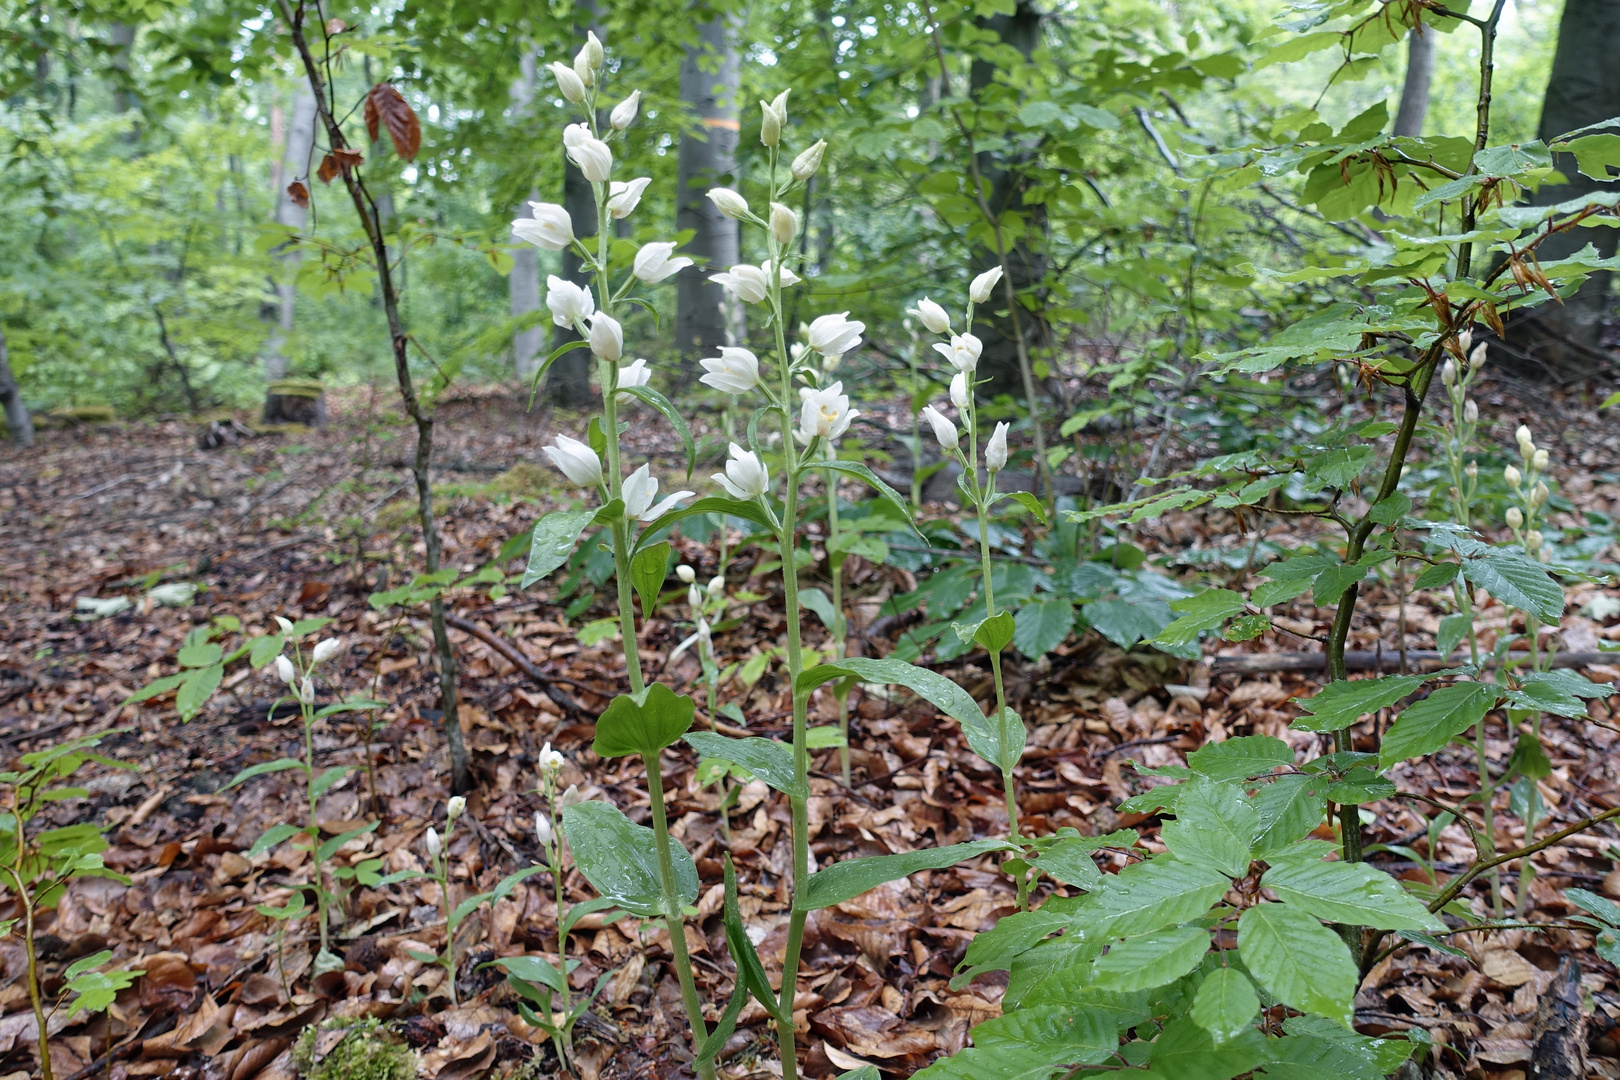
(295, 401)
(1558, 1037)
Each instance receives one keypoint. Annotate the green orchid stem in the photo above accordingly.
(1003, 720)
(839, 628)
(554, 854)
(674, 921)
(308, 713)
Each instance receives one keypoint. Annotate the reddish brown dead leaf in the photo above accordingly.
(385, 105)
(298, 193)
(335, 26)
(328, 170)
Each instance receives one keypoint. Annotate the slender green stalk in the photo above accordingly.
(839, 629)
(674, 920)
(555, 855)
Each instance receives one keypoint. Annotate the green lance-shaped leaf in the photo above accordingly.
(673, 415)
(862, 472)
(535, 969)
(1029, 503)
(765, 758)
(260, 769)
(552, 542)
(1149, 960)
(749, 969)
(1302, 962)
(848, 879)
(1225, 1004)
(643, 723)
(1339, 705)
(715, 504)
(272, 836)
(983, 737)
(1214, 827)
(1352, 893)
(619, 859)
(647, 572)
(1425, 726)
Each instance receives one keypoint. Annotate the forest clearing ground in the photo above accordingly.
(304, 524)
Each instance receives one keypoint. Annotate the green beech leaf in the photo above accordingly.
(1151, 895)
(1300, 961)
(619, 859)
(1225, 1004)
(1185, 1051)
(1352, 893)
(1425, 726)
(1214, 827)
(1436, 576)
(552, 542)
(1341, 704)
(197, 689)
(1071, 1035)
(1041, 626)
(647, 572)
(1516, 580)
(1149, 960)
(1205, 611)
(767, 759)
(850, 878)
(1004, 1062)
(643, 723)
(1290, 807)
(1241, 758)
(673, 415)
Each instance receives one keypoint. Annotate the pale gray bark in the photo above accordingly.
(294, 166)
(1414, 105)
(523, 283)
(18, 424)
(1582, 88)
(708, 158)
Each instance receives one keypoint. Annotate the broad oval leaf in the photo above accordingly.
(1042, 626)
(1302, 962)
(767, 759)
(1225, 1004)
(1151, 895)
(1339, 705)
(1352, 893)
(552, 541)
(1425, 726)
(643, 723)
(1214, 827)
(1149, 960)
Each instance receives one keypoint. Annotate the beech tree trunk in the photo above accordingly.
(295, 163)
(1583, 88)
(1414, 105)
(523, 283)
(18, 424)
(708, 158)
(1003, 175)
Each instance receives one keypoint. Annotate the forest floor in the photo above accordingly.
(309, 524)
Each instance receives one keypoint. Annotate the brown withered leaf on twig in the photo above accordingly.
(328, 169)
(298, 193)
(335, 26)
(386, 105)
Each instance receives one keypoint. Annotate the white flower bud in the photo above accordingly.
(592, 51)
(454, 809)
(624, 113)
(979, 291)
(1539, 495)
(577, 461)
(773, 118)
(1448, 372)
(571, 797)
(306, 691)
(549, 228)
(932, 316)
(1540, 460)
(784, 224)
(285, 624)
(1533, 540)
(542, 829)
(834, 335)
(995, 451)
(1527, 445)
(808, 163)
(434, 846)
(959, 391)
(1471, 411)
(592, 155)
(1464, 340)
(1515, 518)
(944, 430)
(583, 70)
(1472, 471)
(686, 574)
(606, 337)
(285, 670)
(569, 83)
(1512, 475)
(694, 595)
(717, 586)
(325, 651)
(746, 477)
(728, 202)
(1476, 359)
(1544, 555)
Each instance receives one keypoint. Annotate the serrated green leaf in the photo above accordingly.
(1041, 626)
(1225, 1004)
(1068, 1035)
(1425, 726)
(1352, 893)
(1289, 808)
(1241, 758)
(1186, 1051)
(1213, 828)
(1341, 704)
(1517, 581)
(1300, 961)
(1151, 895)
(1149, 960)
(1205, 611)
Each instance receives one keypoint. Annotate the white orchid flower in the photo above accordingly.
(624, 197)
(746, 476)
(638, 492)
(570, 304)
(824, 413)
(653, 262)
(944, 430)
(735, 371)
(549, 228)
(834, 335)
(577, 461)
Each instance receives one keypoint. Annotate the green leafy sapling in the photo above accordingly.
(35, 868)
(298, 672)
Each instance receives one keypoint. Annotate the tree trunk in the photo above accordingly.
(523, 283)
(18, 424)
(122, 38)
(294, 166)
(708, 158)
(1003, 176)
(366, 209)
(1419, 73)
(1583, 88)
